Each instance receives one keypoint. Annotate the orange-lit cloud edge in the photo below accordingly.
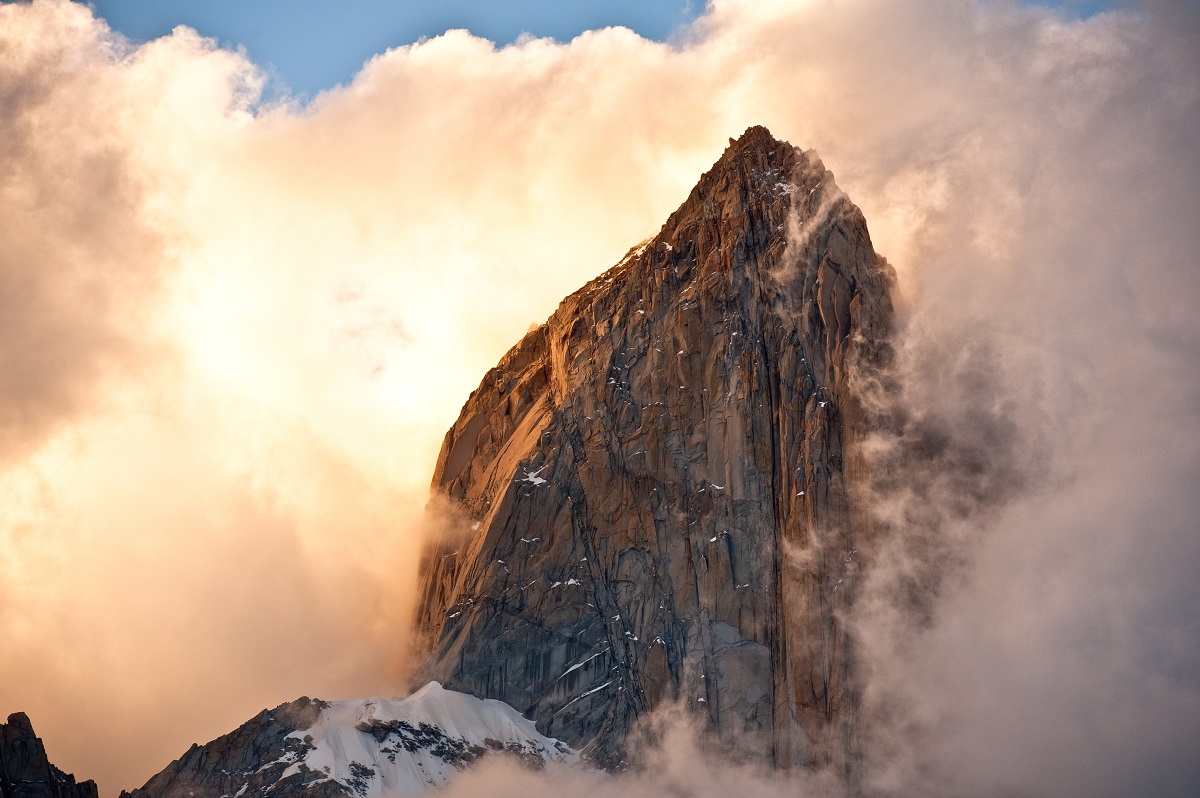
(234, 334)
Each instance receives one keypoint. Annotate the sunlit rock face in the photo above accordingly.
(25, 770)
(656, 487)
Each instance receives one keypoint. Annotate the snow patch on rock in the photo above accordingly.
(401, 748)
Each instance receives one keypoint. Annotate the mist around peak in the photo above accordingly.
(234, 333)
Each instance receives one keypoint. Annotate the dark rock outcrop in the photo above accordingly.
(656, 487)
(25, 770)
(250, 759)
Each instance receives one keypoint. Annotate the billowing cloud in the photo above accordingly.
(234, 333)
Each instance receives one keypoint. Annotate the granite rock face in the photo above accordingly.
(25, 770)
(655, 490)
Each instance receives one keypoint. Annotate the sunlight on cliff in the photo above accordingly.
(235, 334)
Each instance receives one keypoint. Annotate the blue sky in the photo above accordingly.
(310, 45)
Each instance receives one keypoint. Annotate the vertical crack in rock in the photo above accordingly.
(657, 487)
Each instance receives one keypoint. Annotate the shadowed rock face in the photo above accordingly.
(26, 772)
(250, 759)
(656, 488)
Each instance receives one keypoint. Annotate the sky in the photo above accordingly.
(312, 45)
(241, 304)
(307, 46)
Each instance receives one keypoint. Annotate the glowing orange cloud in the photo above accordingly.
(233, 333)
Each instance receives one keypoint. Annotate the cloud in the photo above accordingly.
(234, 333)
(678, 760)
(72, 241)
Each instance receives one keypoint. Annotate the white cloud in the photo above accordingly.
(234, 334)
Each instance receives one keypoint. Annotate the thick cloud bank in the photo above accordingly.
(234, 333)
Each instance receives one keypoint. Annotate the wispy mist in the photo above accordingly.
(234, 333)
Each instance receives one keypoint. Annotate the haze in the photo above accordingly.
(233, 333)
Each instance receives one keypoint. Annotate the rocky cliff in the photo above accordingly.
(25, 770)
(655, 489)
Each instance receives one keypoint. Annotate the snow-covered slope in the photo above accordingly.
(370, 748)
(400, 748)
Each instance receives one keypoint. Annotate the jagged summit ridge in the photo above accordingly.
(657, 482)
(26, 771)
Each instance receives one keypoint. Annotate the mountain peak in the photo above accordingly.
(756, 137)
(25, 770)
(652, 505)
(756, 159)
(760, 191)
(20, 724)
(637, 472)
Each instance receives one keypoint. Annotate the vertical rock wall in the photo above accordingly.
(656, 486)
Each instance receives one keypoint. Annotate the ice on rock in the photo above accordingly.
(533, 478)
(381, 748)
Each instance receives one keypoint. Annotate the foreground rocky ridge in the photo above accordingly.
(655, 490)
(25, 770)
(355, 749)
